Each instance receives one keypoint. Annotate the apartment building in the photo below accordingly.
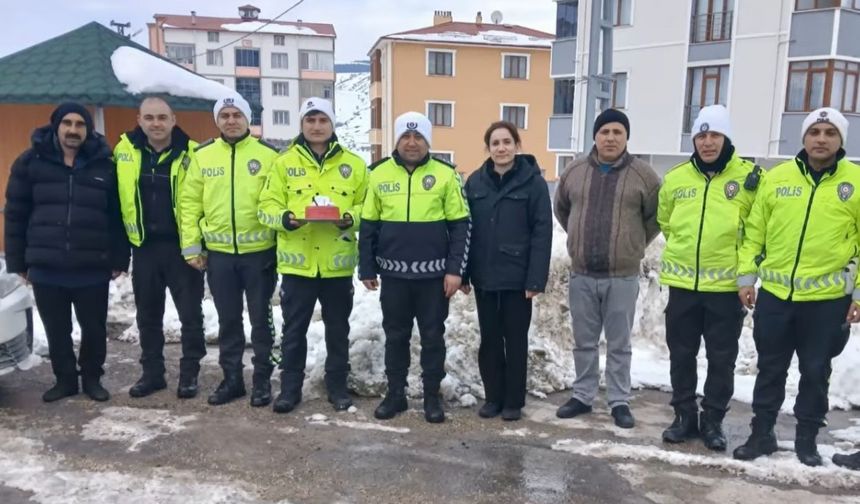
(273, 64)
(464, 76)
(770, 62)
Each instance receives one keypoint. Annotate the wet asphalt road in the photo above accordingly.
(315, 455)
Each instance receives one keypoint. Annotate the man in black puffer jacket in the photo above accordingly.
(64, 234)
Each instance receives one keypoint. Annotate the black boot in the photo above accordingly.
(393, 403)
(762, 440)
(187, 388)
(291, 394)
(231, 387)
(66, 386)
(147, 384)
(711, 427)
(261, 390)
(93, 388)
(804, 445)
(684, 427)
(848, 461)
(490, 410)
(338, 394)
(433, 411)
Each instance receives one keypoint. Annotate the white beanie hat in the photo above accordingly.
(713, 118)
(413, 121)
(828, 115)
(316, 104)
(232, 100)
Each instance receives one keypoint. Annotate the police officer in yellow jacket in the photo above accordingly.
(702, 207)
(221, 233)
(316, 259)
(414, 234)
(802, 243)
(152, 164)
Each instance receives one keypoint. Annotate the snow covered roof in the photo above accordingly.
(141, 72)
(480, 34)
(207, 23)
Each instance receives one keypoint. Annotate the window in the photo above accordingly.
(441, 114)
(705, 86)
(248, 57)
(280, 40)
(280, 60)
(712, 21)
(562, 102)
(181, 53)
(280, 88)
(213, 36)
(827, 4)
(619, 91)
(376, 66)
(623, 13)
(214, 57)
(566, 19)
(448, 157)
(322, 89)
(561, 162)
(515, 66)
(250, 90)
(517, 114)
(281, 117)
(440, 63)
(376, 113)
(826, 83)
(317, 60)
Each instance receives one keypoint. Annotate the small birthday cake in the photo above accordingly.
(322, 209)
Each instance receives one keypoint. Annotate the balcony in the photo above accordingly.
(711, 27)
(560, 132)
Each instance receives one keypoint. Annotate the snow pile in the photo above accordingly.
(135, 426)
(141, 72)
(352, 104)
(263, 27)
(491, 37)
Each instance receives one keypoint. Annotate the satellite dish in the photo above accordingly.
(496, 16)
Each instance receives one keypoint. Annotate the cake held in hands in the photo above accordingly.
(322, 213)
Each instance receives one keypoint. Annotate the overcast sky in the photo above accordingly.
(358, 22)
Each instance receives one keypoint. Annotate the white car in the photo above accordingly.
(16, 322)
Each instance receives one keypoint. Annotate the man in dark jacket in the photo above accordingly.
(64, 235)
(508, 264)
(152, 163)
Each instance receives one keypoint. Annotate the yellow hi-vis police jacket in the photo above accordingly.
(414, 225)
(218, 204)
(295, 179)
(128, 156)
(703, 220)
(800, 236)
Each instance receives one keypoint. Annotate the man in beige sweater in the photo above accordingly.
(607, 202)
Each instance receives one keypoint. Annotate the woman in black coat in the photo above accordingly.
(508, 263)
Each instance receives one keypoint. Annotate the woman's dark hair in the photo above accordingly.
(512, 129)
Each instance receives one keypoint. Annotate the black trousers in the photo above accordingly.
(230, 277)
(504, 318)
(718, 318)
(159, 266)
(402, 302)
(298, 299)
(55, 309)
(814, 330)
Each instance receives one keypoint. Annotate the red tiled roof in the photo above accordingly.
(475, 29)
(214, 23)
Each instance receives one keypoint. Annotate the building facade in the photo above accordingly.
(273, 64)
(463, 76)
(770, 62)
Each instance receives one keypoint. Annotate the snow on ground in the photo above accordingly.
(781, 467)
(135, 426)
(26, 464)
(352, 108)
(320, 419)
(550, 340)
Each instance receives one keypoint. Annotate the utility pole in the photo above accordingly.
(599, 80)
(120, 27)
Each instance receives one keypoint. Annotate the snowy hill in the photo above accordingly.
(352, 104)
